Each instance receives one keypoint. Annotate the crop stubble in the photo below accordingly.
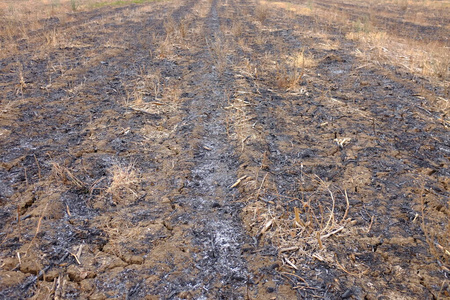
(226, 150)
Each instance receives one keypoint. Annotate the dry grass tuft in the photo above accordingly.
(430, 59)
(124, 183)
(287, 76)
(183, 28)
(237, 28)
(305, 9)
(172, 93)
(51, 37)
(165, 47)
(303, 60)
(290, 71)
(170, 26)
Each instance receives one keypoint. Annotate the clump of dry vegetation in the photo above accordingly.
(290, 71)
(427, 59)
(219, 50)
(380, 43)
(303, 228)
(124, 183)
(62, 174)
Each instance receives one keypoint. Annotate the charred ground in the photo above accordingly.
(226, 150)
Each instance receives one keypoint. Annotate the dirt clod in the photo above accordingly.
(12, 278)
(31, 265)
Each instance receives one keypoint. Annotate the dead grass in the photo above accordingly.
(237, 28)
(51, 37)
(184, 28)
(290, 71)
(305, 9)
(219, 49)
(261, 12)
(125, 180)
(172, 93)
(62, 174)
(303, 60)
(430, 59)
(20, 18)
(426, 59)
(378, 44)
(287, 75)
(301, 230)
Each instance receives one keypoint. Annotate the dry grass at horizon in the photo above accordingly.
(19, 19)
(49, 8)
(391, 32)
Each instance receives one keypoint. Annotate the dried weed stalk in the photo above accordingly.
(218, 50)
(64, 175)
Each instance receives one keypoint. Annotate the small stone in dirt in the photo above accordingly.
(110, 262)
(51, 275)
(134, 259)
(215, 205)
(347, 294)
(87, 285)
(78, 274)
(270, 289)
(31, 265)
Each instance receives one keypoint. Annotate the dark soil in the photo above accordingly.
(145, 148)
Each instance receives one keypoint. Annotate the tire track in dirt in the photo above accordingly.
(93, 148)
(211, 213)
(299, 129)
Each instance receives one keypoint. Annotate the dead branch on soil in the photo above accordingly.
(38, 227)
(348, 272)
(238, 181)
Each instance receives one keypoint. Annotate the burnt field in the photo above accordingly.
(209, 149)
